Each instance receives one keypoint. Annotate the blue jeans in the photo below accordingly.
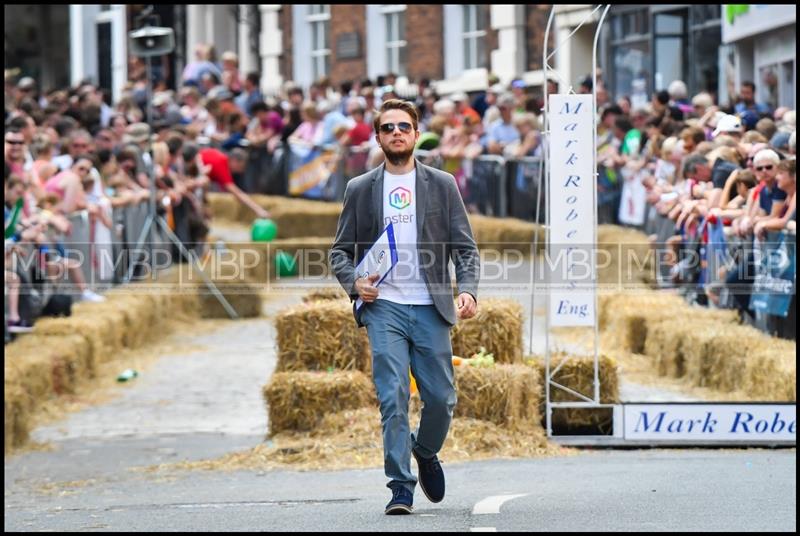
(415, 336)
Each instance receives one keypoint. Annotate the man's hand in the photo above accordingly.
(262, 213)
(466, 306)
(365, 286)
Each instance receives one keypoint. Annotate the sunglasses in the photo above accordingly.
(388, 128)
(15, 142)
(764, 168)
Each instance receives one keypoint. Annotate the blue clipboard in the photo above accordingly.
(381, 259)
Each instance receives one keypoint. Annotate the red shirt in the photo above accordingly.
(360, 133)
(220, 171)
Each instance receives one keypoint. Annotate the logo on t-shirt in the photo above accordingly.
(400, 198)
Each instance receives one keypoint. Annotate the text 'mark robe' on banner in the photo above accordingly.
(572, 219)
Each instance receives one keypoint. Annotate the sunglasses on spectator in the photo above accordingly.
(763, 168)
(388, 128)
(78, 145)
(15, 142)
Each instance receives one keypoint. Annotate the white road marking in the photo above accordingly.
(491, 505)
(483, 529)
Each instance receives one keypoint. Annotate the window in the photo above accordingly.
(319, 19)
(395, 16)
(630, 54)
(474, 36)
(670, 39)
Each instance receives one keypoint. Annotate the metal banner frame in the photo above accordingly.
(584, 401)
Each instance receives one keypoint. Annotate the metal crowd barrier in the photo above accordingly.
(737, 254)
(104, 264)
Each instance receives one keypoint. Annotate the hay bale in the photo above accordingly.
(306, 218)
(245, 298)
(626, 257)
(47, 365)
(224, 206)
(319, 335)
(299, 400)
(711, 349)
(17, 416)
(497, 326)
(770, 372)
(506, 234)
(578, 374)
(506, 395)
(664, 344)
(101, 330)
(134, 315)
(325, 294)
(626, 317)
(612, 305)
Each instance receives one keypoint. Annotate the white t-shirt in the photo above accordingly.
(405, 283)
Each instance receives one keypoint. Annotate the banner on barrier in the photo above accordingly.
(572, 219)
(774, 283)
(309, 171)
(710, 422)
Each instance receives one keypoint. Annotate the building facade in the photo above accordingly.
(455, 45)
(761, 47)
(649, 46)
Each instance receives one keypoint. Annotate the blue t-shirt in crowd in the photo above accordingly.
(767, 196)
(501, 132)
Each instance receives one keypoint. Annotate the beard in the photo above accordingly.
(397, 157)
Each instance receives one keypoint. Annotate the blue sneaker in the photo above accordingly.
(431, 477)
(401, 503)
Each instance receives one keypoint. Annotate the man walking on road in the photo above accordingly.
(409, 317)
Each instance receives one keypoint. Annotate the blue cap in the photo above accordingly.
(749, 119)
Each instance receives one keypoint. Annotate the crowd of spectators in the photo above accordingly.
(74, 151)
(723, 177)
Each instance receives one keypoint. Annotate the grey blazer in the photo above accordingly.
(443, 233)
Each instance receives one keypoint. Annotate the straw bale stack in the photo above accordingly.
(299, 400)
(627, 317)
(730, 357)
(35, 369)
(319, 335)
(294, 217)
(139, 313)
(504, 234)
(224, 206)
(664, 344)
(578, 374)
(103, 330)
(497, 326)
(17, 416)
(506, 395)
(770, 372)
(627, 257)
(48, 365)
(306, 218)
(245, 298)
(325, 294)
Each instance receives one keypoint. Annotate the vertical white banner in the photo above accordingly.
(571, 213)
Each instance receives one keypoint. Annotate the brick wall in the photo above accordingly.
(285, 18)
(425, 38)
(536, 16)
(348, 18)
